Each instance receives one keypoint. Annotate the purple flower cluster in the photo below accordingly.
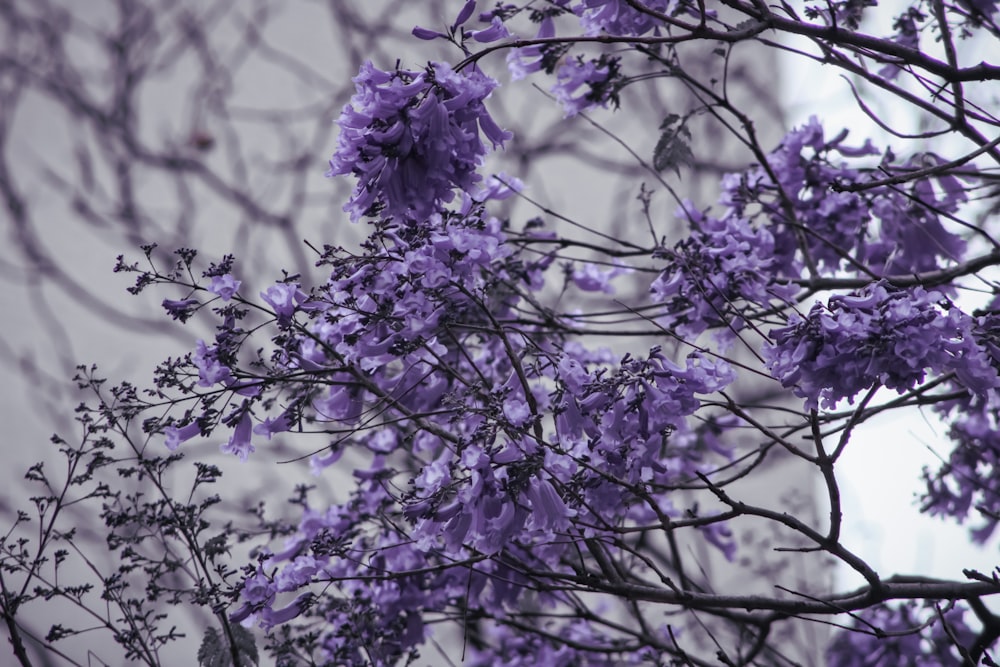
(412, 138)
(773, 231)
(373, 620)
(722, 268)
(618, 17)
(883, 335)
(467, 441)
(911, 236)
(910, 635)
(496, 30)
(386, 327)
(826, 225)
(593, 278)
(969, 481)
(402, 345)
(818, 226)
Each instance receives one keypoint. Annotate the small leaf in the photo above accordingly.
(246, 645)
(210, 649)
(672, 150)
(214, 651)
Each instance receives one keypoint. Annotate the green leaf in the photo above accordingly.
(214, 651)
(672, 150)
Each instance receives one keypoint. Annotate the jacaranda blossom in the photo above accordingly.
(597, 77)
(412, 138)
(722, 269)
(881, 334)
(225, 286)
(905, 635)
(178, 435)
(239, 442)
(180, 309)
(617, 17)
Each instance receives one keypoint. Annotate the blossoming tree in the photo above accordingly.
(515, 489)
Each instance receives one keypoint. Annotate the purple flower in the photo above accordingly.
(319, 462)
(599, 77)
(516, 411)
(258, 589)
(907, 635)
(593, 278)
(270, 426)
(283, 298)
(297, 573)
(719, 536)
(271, 617)
(179, 435)
(617, 17)
(427, 34)
(239, 442)
(244, 615)
(343, 403)
(522, 62)
(548, 510)
(464, 14)
(210, 370)
(498, 187)
(180, 310)
(573, 374)
(497, 30)
(257, 592)
(225, 286)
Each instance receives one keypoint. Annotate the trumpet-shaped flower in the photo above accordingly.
(413, 137)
